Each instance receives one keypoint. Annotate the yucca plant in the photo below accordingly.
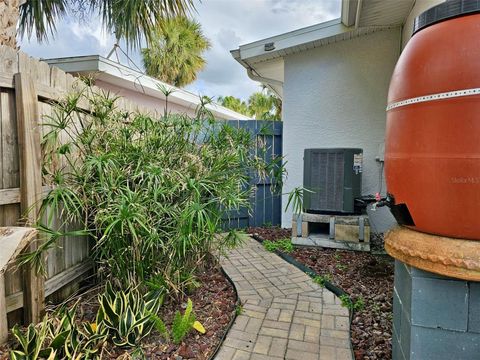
(127, 314)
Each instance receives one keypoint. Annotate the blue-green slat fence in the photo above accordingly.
(266, 203)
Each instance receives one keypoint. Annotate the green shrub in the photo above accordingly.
(151, 192)
(284, 245)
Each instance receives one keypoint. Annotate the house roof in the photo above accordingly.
(125, 77)
(263, 59)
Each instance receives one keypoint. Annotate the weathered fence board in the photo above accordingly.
(26, 101)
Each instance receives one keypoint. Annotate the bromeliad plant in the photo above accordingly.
(150, 192)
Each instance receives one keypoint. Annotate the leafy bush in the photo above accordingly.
(284, 245)
(127, 315)
(182, 324)
(150, 192)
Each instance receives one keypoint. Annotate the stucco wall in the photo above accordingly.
(419, 7)
(335, 96)
(146, 100)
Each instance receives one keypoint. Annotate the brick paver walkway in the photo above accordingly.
(285, 314)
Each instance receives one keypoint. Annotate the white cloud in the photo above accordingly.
(227, 23)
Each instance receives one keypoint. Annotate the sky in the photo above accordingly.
(227, 23)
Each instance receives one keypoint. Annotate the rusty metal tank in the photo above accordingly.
(432, 146)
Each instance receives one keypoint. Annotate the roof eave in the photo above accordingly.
(135, 80)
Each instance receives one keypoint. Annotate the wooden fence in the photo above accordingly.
(27, 89)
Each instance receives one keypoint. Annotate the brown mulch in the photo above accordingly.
(360, 275)
(214, 305)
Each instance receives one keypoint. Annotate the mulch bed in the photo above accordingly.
(360, 275)
(214, 305)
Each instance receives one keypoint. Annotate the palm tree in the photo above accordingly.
(127, 19)
(260, 106)
(174, 52)
(8, 22)
(277, 105)
(234, 103)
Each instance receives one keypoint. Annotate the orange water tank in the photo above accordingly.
(432, 146)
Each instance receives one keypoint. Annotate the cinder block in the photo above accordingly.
(474, 308)
(440, 344)
(351, 233)
(403, 285)
(438, 303)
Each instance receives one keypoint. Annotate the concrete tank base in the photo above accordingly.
(435, 316)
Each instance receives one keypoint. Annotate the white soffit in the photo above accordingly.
(383, 12)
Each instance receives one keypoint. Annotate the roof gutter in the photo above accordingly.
(262, 79)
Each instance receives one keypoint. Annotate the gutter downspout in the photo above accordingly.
(256, 77)
(357, 15)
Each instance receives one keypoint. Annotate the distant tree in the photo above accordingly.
(261, 105)
(175, 51)
(234, 104)
(265, 105)
(277, 105)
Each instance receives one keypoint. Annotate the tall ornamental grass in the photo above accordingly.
(150, 192)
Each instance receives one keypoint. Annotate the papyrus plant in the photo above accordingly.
(151, 192)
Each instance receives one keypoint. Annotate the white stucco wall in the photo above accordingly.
(335, 96)
(419, 7)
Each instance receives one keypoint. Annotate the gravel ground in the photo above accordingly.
(214, 305)
(363, 276)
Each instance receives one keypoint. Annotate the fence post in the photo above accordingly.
(3, 311)
(30, 185)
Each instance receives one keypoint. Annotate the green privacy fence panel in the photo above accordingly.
(265, 202)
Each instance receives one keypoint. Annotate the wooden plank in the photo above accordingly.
(3, 311)
(30, 182)
(350, 233)
(14, 301)
(29, 146)
(6, 81)
(8, 60)
(319, 241)
(9, 155)
(14, 240)
(66, 277)
(9, 196)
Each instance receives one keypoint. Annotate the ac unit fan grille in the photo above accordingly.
(327, 181)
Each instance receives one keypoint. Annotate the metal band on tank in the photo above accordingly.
(432, 97)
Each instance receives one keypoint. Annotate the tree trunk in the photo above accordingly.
(8, 22)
